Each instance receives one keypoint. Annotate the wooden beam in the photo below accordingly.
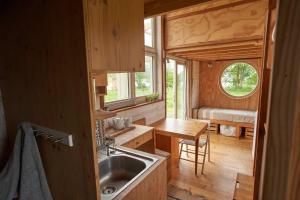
(208, 7)
(221, 56)
(244, 42)
(159, 7)
(227, 51)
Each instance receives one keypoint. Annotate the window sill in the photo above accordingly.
(136, 106)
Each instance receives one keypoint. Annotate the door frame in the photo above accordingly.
(178, 61)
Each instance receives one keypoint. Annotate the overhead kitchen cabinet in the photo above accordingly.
(115, 35)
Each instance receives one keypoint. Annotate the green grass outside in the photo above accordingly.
(170, 102)
(239, 92)
(112, 95)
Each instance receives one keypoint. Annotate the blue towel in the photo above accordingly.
(23, 175)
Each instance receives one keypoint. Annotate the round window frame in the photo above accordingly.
(238, 97)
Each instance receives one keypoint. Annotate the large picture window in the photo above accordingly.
(239, 80)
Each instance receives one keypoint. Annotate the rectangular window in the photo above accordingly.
(144, 80)
(126, 89)
(117, 87)
(149, 32)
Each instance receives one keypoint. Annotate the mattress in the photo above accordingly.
(243, 116)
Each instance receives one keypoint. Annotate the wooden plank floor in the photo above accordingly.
(229, 156)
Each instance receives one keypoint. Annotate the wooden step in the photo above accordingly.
(244, 187)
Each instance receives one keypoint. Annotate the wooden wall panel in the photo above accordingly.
(44, 80)
(229, 24)
(195, 84)
(270, 50)
(152, 112)
(281, 170)
(210, 93)
(159, 7)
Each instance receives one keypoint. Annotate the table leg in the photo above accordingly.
(196, 155)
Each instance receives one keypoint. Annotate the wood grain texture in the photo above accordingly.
(115, 38)
(263, 102)
(210, 93)
(183, 129)
(195, 84)
(281, 177)
(270, 47)
(238, 22)
(138, 132)
(244, 187)
(221, 50)
(152, 186)
(171, 146)
(44, 80)
(205, 7)
(229, 156)
(159, 7)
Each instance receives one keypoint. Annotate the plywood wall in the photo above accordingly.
(229, 23)
(210, 93)
(195, 83)
(44, 80)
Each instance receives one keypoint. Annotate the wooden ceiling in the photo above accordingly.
(159, 7)
(229, 51)
(217, 30)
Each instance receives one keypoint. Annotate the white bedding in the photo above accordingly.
(227, 114)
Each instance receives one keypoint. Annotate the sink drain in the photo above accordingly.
(109, 189)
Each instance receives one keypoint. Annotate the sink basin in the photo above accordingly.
(119, 170)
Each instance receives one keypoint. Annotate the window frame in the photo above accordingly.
(154, 38)
(154, 76)
(129, 90)
(239, 97)
(133, 99)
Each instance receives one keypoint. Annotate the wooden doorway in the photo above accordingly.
(175, 88)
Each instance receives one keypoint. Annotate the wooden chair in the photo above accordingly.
(203, 142)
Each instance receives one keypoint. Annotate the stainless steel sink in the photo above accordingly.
(120, 169)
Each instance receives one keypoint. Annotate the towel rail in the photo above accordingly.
(54, 135)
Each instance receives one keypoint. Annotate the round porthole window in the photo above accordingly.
(239, 80)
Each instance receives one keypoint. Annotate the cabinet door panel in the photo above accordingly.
(116, 35)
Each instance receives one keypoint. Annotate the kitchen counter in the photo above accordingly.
(133, 134)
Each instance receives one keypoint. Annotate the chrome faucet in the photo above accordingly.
(103, 142)
(108, 142)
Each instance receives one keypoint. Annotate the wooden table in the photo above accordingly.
(169, 131)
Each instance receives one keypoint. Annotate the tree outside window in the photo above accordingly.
(239, 79)
(144, 80)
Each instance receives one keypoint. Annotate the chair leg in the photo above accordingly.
(181, 145)
(204, 158)
(187, 149)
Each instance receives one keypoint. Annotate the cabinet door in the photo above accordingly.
(115, 35)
